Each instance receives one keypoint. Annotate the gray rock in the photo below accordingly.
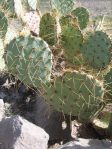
(87, 144)
(2, 109)
(51, 121)
(18, 133)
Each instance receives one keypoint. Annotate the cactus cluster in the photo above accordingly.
(53, 43)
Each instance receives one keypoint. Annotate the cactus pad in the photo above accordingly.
(64, 7)
(108, 82)
(83, 16)
(8, 7)
(48, 28)
(30, 60)
(33, 4)
(96, 50)
(76, 93)
(2, 62)
(71, 40)
(32, 20)
(66, 20)
(3, 24)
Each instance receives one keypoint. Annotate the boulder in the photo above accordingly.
(51, 121)
(2, 109)
(18, 133)
(87, 144)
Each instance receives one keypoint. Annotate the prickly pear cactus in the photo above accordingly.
(109, 129)
(97, 50)
(30, 60)
(33, 4)
(108, 82)
(2, 62)
(71, 41)
(48, 28)
(66, 20)
(8, 7)
(76, 93)
(82, 15)
(32, 20)
(3, 25)
(64, 7)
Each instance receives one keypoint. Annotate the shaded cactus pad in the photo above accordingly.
(96, 50)
(82, 15)
(48, 28)
(76, 93)
(30, 60)
(71, 41)
(108, 82)
(3, 25)
(8, 7)
(67, 20)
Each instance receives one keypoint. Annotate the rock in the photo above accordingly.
(2, 109)
(87, 144)
(18, 133)
(51, 121)
(32, 107)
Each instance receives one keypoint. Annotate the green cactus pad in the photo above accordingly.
(83, 16)
(8, 7)
(33, 4)
(71, 41)
(2, 2)
(96, 50)
(2, 62)
(108, 82)
(48, 28)
(76, 93)
(30, 60)
(3, 25)
(64, 7)
(66, 20)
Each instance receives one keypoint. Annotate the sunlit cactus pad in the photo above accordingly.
(97, 50)
(76, 93)
(30, 60)
(64, 7)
